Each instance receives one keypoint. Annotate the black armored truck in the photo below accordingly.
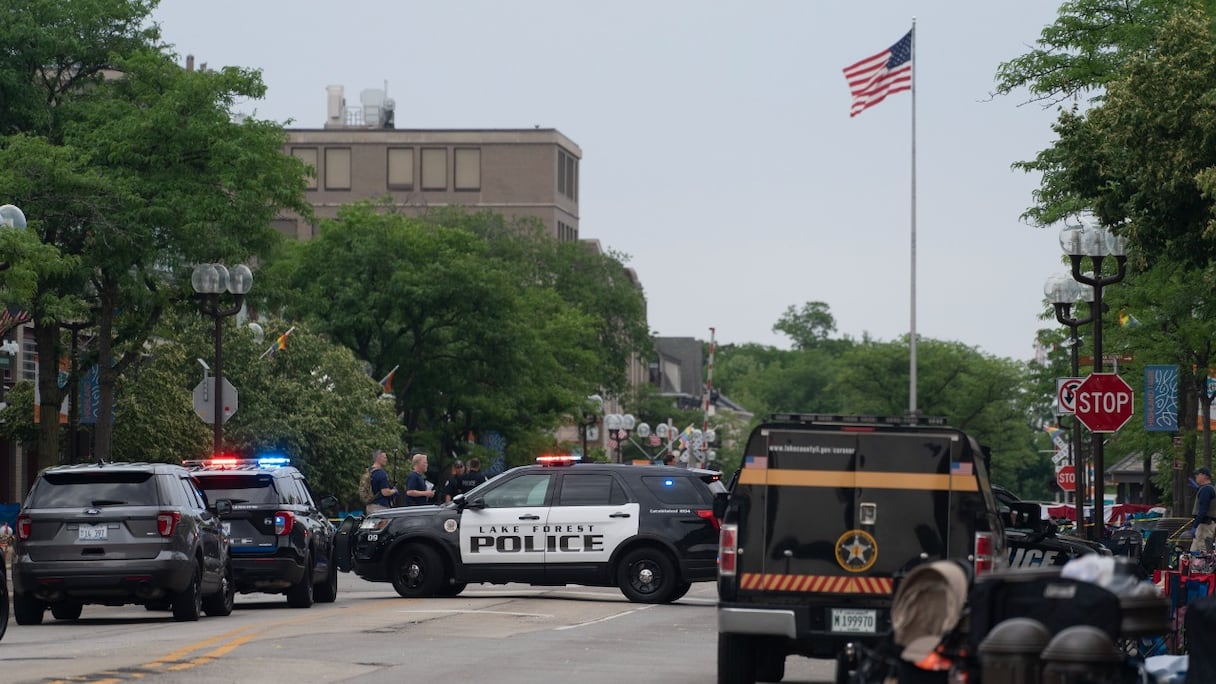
(824, 516)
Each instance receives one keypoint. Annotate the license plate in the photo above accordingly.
(854, 621)
(92, 533)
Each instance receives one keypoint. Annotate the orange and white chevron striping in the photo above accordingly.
(822, 584)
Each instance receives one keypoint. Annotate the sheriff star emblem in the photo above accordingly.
(856, 551)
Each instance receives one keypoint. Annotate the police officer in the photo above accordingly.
(452, 486)
(472, 475)
(1204, 510)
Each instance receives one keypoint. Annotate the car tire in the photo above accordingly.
(770, 664)
(188, 604)
(28, 610)
(223, 601)
(300, 594)
(417, 572)
(736, 659)
(327, 591)
(681, 589)
(647, 575)
(4, 603)
(67, 610)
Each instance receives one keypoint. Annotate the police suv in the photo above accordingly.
(824, 516)
(649, 530)
(280, 540)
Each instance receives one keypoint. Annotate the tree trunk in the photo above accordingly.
(46, 336)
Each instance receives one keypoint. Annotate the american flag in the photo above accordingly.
(12, 317)
(874, 78)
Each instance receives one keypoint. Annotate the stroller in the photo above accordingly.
(925, 645)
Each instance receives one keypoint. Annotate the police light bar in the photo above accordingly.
(558, 461)
(858, 419)
(273, 461)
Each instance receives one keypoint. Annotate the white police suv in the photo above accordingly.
(649, 530)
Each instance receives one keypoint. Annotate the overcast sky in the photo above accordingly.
(718, 152)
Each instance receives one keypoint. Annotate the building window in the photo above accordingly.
(308, 155)
(468, 168)
(434, 168)
(401, 168)
(567, 175)
(337, 168)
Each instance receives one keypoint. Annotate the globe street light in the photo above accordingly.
(1062, 291)
(10, 217)
(210, 281)
(1096, 243)
(618, 427)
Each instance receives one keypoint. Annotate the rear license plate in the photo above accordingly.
(854, 621)
(92, 533)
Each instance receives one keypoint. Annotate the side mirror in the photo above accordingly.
(721, 501)
(223, 507)
(328, 503)
(463, 503)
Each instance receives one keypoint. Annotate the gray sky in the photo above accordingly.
(718, 152)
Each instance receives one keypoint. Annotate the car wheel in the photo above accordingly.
(299, 595)
(4, 605)
(770, 664)
(647, 575)
(327, 591)
(28, 610)
(417, 571)
(67, 610)
(736, 659)
(681, 589)
(188, 605)
(223, 601)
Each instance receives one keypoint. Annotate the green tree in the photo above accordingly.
(807, 327)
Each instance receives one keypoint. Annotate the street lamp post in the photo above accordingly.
(1096, 243)
(618, 427)
(210, 281)
(1062, 291)
(591, 411)
(10, 217)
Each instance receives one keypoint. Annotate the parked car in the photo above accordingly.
(116, 534)
(1032, 541)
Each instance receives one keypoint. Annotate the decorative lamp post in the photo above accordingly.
(1062, 291)
(618, 427)
(10, 217)
(210, 282)
(1096, 243)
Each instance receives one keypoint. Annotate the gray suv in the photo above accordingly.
(115, 534)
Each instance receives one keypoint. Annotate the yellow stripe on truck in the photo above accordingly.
(858, 480)
(820, 584)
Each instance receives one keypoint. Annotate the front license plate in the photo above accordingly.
(854, 621)
(92, 533)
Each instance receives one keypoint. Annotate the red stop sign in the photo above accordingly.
(1067, 478)
(1104, 402)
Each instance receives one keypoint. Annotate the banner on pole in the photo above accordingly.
(1161, 398)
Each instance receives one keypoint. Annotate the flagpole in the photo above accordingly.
(912, 335)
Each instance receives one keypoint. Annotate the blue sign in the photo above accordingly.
(1161, 398)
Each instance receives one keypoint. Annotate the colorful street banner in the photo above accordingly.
(1161, 398)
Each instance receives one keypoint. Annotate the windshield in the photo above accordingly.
(92, 489)
(239, 489)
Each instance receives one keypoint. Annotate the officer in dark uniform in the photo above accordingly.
(452, 486)
(472, 475)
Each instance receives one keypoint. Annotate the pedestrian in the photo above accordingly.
(472, 475)
(669, 459)
(382, 489)
(451, 486)
(1204, 510)
(418, 491)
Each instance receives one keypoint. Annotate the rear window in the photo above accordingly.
(239, 489)
(94, 489)
(677, 490)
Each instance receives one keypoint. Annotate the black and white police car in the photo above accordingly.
(649, 530)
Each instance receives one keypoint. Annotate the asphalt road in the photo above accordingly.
(502, 634)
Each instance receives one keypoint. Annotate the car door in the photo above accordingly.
(503, 526)
(590, 517)
(211, 533)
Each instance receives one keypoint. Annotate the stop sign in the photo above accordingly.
(1103, 402)
(1067, 478)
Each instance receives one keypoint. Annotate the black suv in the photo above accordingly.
(119, 533)
(825, 515)
(649, 530)
(281, 541)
